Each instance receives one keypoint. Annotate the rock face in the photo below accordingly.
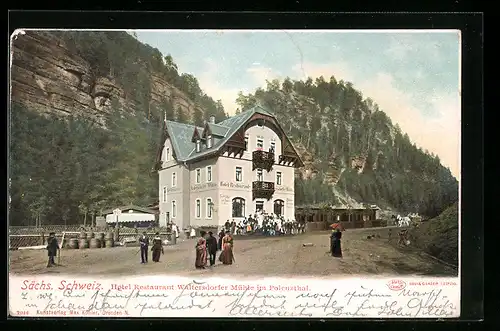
(46, 76)
(358, 163)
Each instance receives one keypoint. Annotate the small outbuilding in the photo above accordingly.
(320, 217)
(130, 216)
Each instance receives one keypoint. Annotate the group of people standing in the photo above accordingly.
(266, 224)
(207, 247)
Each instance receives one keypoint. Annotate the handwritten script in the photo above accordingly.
(160, 297)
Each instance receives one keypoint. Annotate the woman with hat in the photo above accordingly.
(226, 257)
(157, 247)
(335, 245)
(201, 251)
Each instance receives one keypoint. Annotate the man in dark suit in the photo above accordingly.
(211, 247)
(52, 248)
(144, 241)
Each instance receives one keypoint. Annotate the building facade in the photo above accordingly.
(226, 171)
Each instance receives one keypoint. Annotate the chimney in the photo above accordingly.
(211, 119)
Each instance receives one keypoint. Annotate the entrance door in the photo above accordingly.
(259, 206)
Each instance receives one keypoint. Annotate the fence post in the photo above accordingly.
(43, 239)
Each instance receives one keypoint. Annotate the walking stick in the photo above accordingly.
(60, 247)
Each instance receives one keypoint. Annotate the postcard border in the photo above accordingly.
(472, 90)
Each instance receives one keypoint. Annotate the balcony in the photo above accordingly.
(262, 190)
(262, 160)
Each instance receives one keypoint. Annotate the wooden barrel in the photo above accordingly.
(109, 243)
(83, 243)
(95, 243)
(83, 235)
(109, 235)
(73, 243)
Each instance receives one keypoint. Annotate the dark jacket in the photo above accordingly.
(336, 235)
(212, 244)
(144, 241)
(52, 246)
(157, 244)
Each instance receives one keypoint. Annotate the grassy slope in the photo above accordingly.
(439, 236)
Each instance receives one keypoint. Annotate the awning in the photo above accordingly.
(130, 218)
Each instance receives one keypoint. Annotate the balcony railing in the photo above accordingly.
(262, 190)
(262, 160)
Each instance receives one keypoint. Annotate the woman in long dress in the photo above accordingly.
(201, 252)
(157, 247)
(336, 248)
(226, 257)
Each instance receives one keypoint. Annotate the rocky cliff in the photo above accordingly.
(46, 76)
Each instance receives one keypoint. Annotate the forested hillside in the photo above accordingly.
(352, 149)
(62, 171)
(65, 169)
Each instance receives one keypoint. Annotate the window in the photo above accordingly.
(164, 194)
(246, 143)
(238, 207)
(259, 206)
(278, 178)
(273, 147)
(167, 154)
(174, 209)
(279, 207)
(198, 176)
(260, 177)
(209, 174)
(239, 175)
(210, 208)
(174, 179)
(209, 141)
(198, 208)
(260, 143)
(198, 145)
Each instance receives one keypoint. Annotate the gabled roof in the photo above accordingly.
(129, 207)
(181, 134)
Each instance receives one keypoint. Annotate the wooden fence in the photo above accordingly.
(33, 236)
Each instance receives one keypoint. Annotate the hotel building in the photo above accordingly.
(225, 171)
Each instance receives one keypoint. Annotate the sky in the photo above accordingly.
(414, 76)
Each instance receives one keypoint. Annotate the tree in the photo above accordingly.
(180, 115)
(273, 85)
(170, 64)
(198, 117)
(287, 85)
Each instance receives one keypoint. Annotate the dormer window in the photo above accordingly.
(209, 141)
(198, 145)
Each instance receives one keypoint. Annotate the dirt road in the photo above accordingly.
(272, 256)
